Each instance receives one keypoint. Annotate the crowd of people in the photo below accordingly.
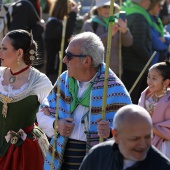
(71, 121)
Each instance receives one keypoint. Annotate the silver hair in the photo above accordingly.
(90, 44)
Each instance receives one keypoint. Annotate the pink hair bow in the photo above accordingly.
(13, 136)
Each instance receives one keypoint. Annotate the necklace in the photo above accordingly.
(13, 78)
(158, 97)
(150, 105)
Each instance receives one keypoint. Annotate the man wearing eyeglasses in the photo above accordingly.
(80, 100)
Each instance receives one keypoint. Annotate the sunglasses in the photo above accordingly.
(70, 55)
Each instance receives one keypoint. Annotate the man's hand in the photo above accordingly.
(65, 126)
(103, 128)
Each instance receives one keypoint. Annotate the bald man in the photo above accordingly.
(131, 147)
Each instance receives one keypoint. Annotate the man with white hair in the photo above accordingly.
(131, 148)
(79, 124)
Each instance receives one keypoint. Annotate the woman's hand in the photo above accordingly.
(115, 28)
(122, 26)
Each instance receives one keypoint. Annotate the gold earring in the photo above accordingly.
(18, 63)
(164, 90)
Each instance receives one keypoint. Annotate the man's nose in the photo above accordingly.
(65, 59)
(143, 143)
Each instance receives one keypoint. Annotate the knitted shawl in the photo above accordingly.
(117, 96)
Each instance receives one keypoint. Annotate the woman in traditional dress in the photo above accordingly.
(22, 90)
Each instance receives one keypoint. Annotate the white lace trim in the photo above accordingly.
(38, 84)
(8, 89)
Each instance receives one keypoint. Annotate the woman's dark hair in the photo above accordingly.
(154, 2)
(60, 9)
(24, 40)
(163, 68)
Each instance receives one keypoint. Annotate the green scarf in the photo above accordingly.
(73, 89)
(103, 21)
(132, 8)
(159, 27)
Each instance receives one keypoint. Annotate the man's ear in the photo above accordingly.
(115, 135)
(87, 61)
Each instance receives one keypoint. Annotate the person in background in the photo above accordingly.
(167, 14)
(98, 24)
(39, 38)
(45, 5)
(130, 148)
(138, 54)
(26, 15)
(156, 100)
(80, 100)
(164, 13)
(53, 33)
(160, 41)
(22, 90)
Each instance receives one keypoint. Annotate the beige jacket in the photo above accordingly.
(126, 40)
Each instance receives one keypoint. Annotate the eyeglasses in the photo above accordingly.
(70, 55)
